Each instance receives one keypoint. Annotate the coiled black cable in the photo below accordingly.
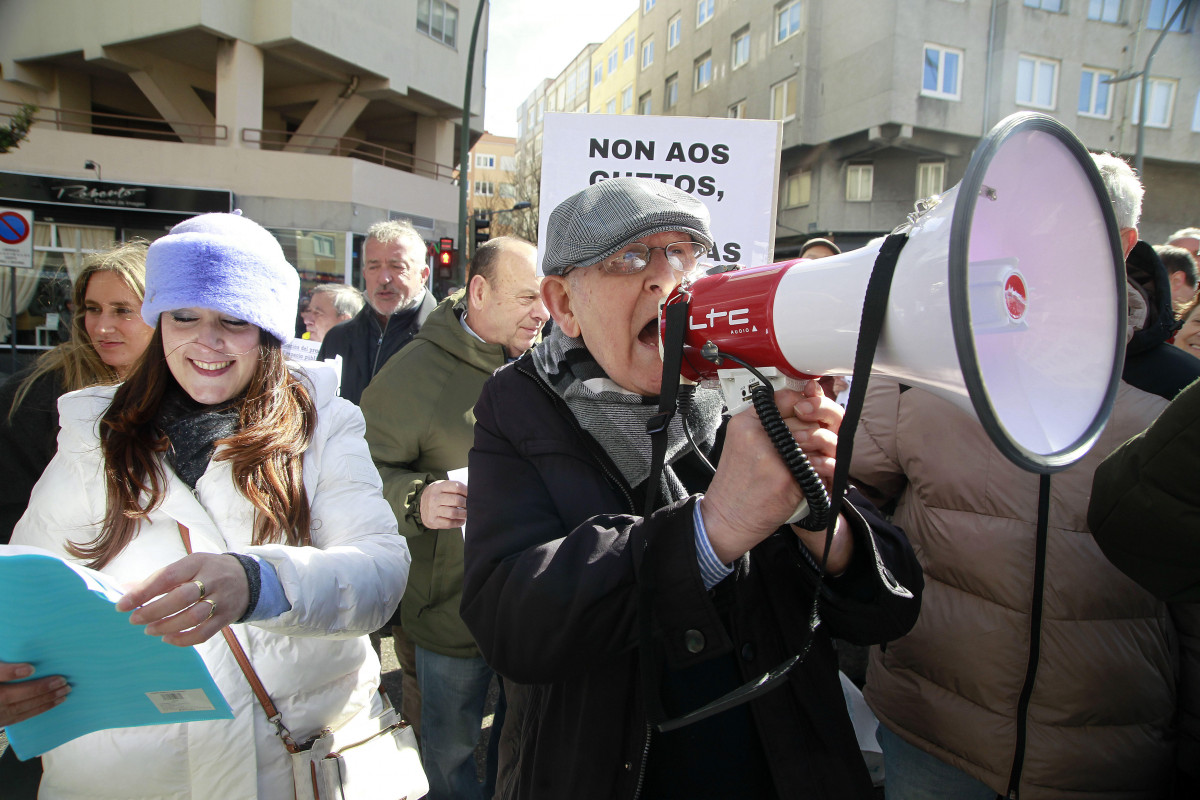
(763, 399)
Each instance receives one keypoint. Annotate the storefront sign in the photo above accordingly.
(732, 165)
(53, 190)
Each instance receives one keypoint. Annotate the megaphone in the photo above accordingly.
(1008, 299)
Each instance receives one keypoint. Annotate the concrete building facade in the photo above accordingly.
(883, 102)
(316, 123)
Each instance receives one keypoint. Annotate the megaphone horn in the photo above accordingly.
(1008, 299)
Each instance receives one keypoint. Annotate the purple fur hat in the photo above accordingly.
(227, 263)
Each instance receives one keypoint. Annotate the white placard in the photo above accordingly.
(16, 238)
(730, 164)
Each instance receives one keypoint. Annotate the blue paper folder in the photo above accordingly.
(61, 618)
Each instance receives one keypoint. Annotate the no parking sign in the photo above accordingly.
(16, 238)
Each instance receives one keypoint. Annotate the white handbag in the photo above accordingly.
(366, 759)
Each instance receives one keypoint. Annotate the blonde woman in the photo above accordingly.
(107, 338)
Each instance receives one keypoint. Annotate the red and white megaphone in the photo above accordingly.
(1008, 299)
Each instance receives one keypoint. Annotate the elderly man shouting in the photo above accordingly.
(419, 426)
(561, 568)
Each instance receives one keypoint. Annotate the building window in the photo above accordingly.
(1037, 82)
(648, 52)
(629, 45)
(671, 94)
(1196, 115)
(797, 188)
(611, 106)
(737, 110)
(787, 21)
(484, 188)
(438, 20)
(741, 47)
(644, 107)
(647, 6)
(703, 71)
(627, 99)
(931, 179)
(1095, 92)
(612, 61)
(942, 75)
(674, 32)
(860, 180)
(508, 190)
(704, 11)
(1161, 99)
(1104, 10)
(598, 75)
(1045, 5)
(322, 245)
(783, 100)
(1161, 12)
(484, 161)
(508, 163)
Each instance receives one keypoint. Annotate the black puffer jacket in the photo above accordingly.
(556, 559)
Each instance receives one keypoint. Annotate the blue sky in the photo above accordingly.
(529, 40)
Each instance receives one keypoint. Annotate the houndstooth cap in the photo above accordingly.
(591, 225)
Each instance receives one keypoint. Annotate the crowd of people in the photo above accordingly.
(478, 481)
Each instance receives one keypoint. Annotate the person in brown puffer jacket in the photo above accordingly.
(1049, 679)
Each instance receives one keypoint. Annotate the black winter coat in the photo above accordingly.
(555, 558)
(27, 443)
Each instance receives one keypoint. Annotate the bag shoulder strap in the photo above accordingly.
(243, 661)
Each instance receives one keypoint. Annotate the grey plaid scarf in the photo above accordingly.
(616, 418)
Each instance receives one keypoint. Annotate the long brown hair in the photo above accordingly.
(276, 420)
(76, 360)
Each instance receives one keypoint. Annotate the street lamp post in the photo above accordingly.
(465, 141)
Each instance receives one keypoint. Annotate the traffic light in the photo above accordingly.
(446, 257)
(481, 225)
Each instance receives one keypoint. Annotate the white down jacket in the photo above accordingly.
(315, 660)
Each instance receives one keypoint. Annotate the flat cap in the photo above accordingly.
(591, 225)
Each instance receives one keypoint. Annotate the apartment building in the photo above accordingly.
(492, 170)
(883, 101)
(615, 67)
(315, 121)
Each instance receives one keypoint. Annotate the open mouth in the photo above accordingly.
(214, 366)
(648, 335)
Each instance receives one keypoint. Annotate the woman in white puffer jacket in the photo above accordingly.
(294, 546)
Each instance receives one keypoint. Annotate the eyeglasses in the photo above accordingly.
(682, 256)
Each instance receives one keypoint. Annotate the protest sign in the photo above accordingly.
(732, 165)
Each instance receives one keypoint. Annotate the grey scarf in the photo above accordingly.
(616, 418)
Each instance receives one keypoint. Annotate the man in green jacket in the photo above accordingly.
(420, 425)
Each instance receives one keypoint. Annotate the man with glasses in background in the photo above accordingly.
(561, 566)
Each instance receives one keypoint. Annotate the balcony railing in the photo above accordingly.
(350, 148)
(103, 123)
(125, 125)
